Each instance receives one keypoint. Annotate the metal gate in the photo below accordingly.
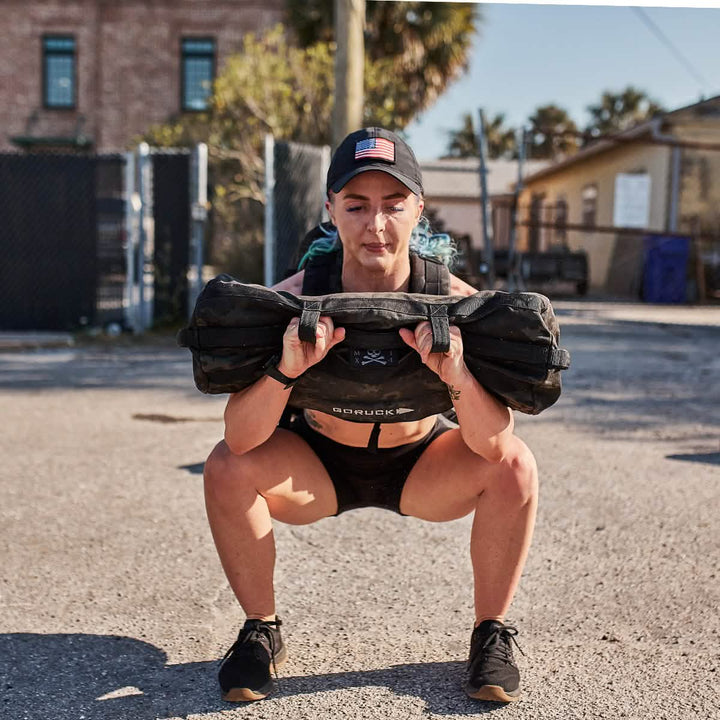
(171, 210)
(48, 236)
(295, 193)
(97, 240)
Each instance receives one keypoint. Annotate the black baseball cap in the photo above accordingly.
(374, 148)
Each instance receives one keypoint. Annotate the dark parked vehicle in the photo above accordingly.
(533, 268)
(555, 265)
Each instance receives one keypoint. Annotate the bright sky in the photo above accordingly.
(531, 55)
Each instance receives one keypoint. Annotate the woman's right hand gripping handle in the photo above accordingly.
(298, 356)
(252, 414)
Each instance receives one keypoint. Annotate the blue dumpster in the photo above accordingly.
(665, 270)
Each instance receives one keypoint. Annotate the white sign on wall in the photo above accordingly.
(632, 200)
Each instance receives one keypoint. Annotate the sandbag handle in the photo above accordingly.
(558, 359)
(307, 330)
(440, 326)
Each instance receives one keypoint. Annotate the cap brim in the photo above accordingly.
(340, 183)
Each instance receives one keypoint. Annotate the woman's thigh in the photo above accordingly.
(287, 473)
(446, 481)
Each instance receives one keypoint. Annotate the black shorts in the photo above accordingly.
(362, 478)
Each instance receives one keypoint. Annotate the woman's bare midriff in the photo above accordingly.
(358, 434)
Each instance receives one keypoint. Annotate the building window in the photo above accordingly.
(59, 71)
(589, 205)
(198, 71)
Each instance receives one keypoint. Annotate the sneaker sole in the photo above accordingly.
(493, 693)
(248, 694)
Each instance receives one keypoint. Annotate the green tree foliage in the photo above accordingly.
(274, 85)
(501, 142)
(463, 143)
(269, 87)
(618, 111)
(553, 133)
(413, 51)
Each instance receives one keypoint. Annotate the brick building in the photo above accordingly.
(93, 74)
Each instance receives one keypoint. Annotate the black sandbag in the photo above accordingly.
(510, 344)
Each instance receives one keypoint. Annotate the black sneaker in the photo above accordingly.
(491, 670)
(244, 673)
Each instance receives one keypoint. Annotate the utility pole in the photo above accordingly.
(349, 68)
(488, 253)
(515, 281)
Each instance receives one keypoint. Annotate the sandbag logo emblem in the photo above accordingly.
(374, 356)
(375, 412)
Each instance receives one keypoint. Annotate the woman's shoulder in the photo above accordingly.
(460, 287)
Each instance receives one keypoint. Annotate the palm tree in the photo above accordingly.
(553, 133)
(416, 48)
(619, 111)
(500, 140)
(463, 142)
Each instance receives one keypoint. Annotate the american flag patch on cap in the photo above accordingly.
(375, 148)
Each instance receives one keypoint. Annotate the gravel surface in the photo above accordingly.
(113, 604)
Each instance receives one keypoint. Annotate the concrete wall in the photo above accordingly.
(462, 216)
(452, 189)
(699, 201)
(605, 251)
(128, 61)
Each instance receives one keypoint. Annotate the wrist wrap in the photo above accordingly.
(271, 370)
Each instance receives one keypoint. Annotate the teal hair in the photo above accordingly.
(327, 243)
(438, 246)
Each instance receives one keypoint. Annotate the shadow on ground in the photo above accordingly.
(106, 677)
(194, 468)
(711, 458)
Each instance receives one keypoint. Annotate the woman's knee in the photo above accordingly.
(518, 475)
(224, 470)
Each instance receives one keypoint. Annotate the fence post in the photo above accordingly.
(198, 214)
(269, 256)
(132, 209)
(675, 174)
(145, 269)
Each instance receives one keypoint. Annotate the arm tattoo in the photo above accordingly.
(454, 394)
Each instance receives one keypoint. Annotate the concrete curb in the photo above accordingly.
(569, 311)
(34, 340)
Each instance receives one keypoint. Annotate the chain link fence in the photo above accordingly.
(48, 241)
(111, 256)
(295, 198)
(84, 238)
(171, 241)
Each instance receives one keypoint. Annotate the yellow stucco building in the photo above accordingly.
(659, 178)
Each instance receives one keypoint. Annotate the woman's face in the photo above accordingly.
(375, 215)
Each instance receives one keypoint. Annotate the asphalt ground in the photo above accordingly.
(113, 604)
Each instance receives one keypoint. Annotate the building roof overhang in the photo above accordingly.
(648, 131)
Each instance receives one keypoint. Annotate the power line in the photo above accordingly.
(669, 44)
